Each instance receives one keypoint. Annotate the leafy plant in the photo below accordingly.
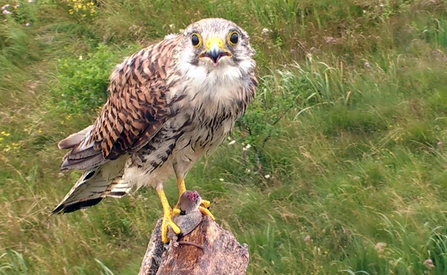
(83, 81)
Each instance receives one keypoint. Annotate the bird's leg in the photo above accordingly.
(205, 211)
(206, 204)
(182, 189)
(168, 213)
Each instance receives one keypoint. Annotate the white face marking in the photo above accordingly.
(219, 82)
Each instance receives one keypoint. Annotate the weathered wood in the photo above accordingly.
(155, 248)
(221, 253)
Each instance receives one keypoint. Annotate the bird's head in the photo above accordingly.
(216, 42)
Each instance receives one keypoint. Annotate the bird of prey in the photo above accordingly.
(169, 104)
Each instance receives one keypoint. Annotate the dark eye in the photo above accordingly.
(195, 40)
(233, 38)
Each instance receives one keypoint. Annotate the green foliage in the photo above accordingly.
(15, 45)
(83, 81)
(274, 101)
(338, 166)
(14, 265)
(107, 271)
(22, 12)
(82, 8)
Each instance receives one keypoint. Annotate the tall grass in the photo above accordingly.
(338, 166)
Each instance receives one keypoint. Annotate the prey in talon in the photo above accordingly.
(169, 104)
(189, 218)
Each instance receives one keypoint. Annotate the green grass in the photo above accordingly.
(347, 136)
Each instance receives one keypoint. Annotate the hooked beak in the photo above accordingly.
(215, 50)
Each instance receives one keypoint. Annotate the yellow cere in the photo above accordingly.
(214, 40)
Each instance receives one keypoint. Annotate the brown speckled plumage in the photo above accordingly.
(168, 106)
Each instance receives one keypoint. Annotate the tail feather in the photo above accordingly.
(83, 155)
(75, 206)
(82, 163)
(74, 139)
(117, 188)
(94, 185)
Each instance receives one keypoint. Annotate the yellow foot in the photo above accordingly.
(205, 211)
(204, 208)
(206, 204)
(167, 222)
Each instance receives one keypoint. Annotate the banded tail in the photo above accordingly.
(100, 181)
(91, 188)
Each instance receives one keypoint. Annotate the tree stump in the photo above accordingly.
(218, 253)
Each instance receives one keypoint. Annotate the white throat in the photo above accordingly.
(219, 83)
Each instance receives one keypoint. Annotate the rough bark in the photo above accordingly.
(219, 253)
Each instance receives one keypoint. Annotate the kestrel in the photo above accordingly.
(169, 104)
